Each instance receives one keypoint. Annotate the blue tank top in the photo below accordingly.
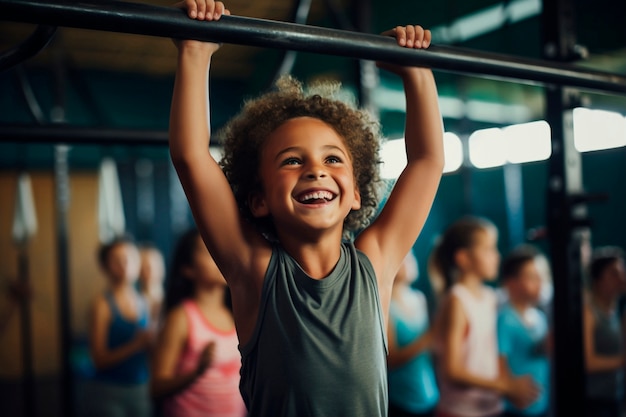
(134, 369)
(318, 348)
(523, 343)
(413, 386)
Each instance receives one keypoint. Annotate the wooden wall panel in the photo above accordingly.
(85, 277)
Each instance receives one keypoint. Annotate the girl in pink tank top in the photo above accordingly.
(197, 361)
(471, 376)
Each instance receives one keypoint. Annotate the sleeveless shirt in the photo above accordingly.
(216, 391)
(135, 368)
(480, 357)
(412, 386)
(607, 339)
(318, 348)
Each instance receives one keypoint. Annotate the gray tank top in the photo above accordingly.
(606, 385)
(319, 346)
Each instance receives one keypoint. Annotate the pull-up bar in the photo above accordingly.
(116, 16)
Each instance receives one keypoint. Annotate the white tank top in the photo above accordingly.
(480, 357)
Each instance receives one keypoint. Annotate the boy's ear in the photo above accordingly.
(257, 204)
(187, 272)
(356, 204)
(461, 257)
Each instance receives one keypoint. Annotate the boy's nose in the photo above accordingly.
(315, 173)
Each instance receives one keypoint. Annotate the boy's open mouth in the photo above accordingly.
(315, 197)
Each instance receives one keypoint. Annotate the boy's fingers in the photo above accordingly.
(400, 34)
(427, 38)
(201, 5)
(190, 6)
(419, 36)
(411, 38)
(220, 9)
(209, 11)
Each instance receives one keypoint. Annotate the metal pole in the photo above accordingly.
(59, 133)
(37, 41)
(62, 194)
(568, 226)
(171, 22)
(28, 395)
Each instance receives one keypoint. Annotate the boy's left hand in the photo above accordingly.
(414, 37)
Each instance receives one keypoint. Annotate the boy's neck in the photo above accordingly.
(520, 305)
(472, 282)
(316, 258)
(604, 302)
(210, 296)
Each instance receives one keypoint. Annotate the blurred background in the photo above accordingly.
(498, 145)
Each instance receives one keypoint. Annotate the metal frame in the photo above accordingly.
(170, 22)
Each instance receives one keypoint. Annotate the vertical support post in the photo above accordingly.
(514, 198)
(29, 397)
(62, 193)
(367, 72)
(567, 228)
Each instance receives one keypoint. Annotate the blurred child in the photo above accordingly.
(196, 363)
(151, 277)
(603, 334)
(523, 327)
(119, 337)
(472, 382)
(413, 390)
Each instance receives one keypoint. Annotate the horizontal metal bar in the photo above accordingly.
(151, 20)
(74, 135)
(30, 47)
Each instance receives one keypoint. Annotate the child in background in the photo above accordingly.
(471, 380)
(151, 277)
(196, 363)
(413, 390)
(603, 332)
(523, 327)
(310, 307)
(119, 337)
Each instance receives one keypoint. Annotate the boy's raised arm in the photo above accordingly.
(210, 197)
(405, 212)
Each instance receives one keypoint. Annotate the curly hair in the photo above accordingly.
(244, 136)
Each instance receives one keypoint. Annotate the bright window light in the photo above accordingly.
(528, 142)
(487, 148)
(216, 152)
(598, 129)
(393, 155)
(453, 150)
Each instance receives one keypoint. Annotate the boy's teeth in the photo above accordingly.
(317, 196)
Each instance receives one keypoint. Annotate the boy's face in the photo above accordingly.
(528, 282)
(152, 271)
(484, 255)
(123, 263)
(307, 177)
(613, 278)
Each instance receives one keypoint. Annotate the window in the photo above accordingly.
(598, 129)
(393, 155)
(525, 142)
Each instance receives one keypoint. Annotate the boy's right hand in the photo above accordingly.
(206, 357)
(202, 10)
(522, 391)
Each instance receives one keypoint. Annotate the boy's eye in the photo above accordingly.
(291, 161)
(333, 159)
